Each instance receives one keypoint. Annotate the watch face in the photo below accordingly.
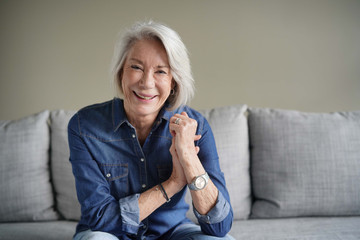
(200, 182)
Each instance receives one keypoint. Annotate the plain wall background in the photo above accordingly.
(302, 55)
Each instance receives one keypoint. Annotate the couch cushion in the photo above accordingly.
(54, 230)
(229, 125)
(304, 164)
(314, 228)
(64, 181)
(25, 188)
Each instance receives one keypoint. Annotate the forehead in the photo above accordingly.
(148, 51)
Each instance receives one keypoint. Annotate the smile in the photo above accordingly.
(144, 97)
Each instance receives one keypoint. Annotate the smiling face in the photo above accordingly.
(146, 79)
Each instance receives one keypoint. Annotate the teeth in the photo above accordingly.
(143, 97)
(147, 98)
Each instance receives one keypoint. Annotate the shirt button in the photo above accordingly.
(144, 226)
(108, 175)
(143, 186)
(133, 136)
(141, 159)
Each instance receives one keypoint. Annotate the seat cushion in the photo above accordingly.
(304, 164)
(63, 179)
(229, 125)
(25, 187)
(336, 228)
(53, 230)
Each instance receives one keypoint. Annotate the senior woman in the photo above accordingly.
(134, 158)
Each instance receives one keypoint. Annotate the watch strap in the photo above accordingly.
(192, 185)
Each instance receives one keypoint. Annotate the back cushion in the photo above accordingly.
(25, 188)
(229, 125)
(64, 181)
(304, 164)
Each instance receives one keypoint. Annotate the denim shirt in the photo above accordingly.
(112, 169)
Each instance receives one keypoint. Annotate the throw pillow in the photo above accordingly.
(304, 164)
(25, 188)
(64, 181)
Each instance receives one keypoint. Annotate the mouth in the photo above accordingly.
(147, 97)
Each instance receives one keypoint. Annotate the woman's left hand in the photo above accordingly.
(183, 129)
(178, 175)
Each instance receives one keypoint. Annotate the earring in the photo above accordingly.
(172, 92)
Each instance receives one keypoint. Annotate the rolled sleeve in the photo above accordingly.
(217, 214)
(129, 210)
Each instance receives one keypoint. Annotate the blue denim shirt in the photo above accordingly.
(111, 169)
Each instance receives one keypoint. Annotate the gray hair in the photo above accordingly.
(177, 55)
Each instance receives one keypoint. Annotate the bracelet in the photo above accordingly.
(164, 193)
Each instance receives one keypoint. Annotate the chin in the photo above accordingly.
(144, 111)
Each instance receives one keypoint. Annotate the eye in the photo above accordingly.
(136, 67)
(161, 72)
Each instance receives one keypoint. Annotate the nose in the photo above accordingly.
(147, 80)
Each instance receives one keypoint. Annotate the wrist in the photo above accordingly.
(163, 192)
(187, 153)
(171, 186)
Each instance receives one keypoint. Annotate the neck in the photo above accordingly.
(142, 124)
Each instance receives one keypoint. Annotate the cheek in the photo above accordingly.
(165, 91)
(126, 80)
(125, 86)
(166, 86)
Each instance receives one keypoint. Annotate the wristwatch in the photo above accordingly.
(199, 182)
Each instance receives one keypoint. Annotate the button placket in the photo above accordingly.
(142, 160)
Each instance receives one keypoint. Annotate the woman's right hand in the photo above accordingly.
(178, 176)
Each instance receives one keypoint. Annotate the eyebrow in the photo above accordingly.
(139, 61)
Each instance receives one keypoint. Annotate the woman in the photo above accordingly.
(134, 157)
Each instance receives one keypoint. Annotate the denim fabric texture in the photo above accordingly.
(112, 169)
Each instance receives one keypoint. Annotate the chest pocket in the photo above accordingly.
(164, 172)
(117, 177)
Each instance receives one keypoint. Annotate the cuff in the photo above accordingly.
(217, 214)
(129, 210)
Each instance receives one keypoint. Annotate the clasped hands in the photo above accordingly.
(183, 150)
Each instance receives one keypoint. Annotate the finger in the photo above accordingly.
(197, 149)
(174, 128)
(175, 116)
(185, 114)
(172, 148)
(197, 137)
(173, 133)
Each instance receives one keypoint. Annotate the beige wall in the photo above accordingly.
(302, 54)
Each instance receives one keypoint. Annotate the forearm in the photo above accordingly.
(153, 198)
(204, 200)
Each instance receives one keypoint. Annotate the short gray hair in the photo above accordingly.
(177, 55)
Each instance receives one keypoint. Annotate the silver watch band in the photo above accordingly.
(199, 182)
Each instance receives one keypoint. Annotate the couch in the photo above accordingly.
(290, 174)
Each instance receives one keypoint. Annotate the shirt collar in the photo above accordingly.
(119, 115)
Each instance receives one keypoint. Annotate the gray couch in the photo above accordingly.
(291, 175)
